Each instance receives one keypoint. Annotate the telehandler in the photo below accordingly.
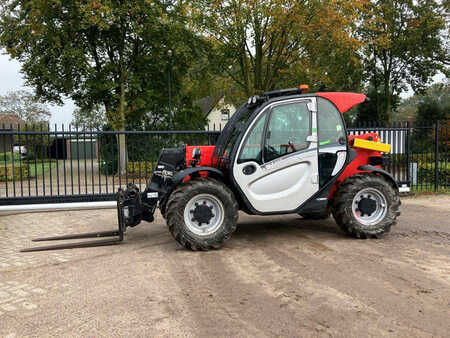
(282, 152)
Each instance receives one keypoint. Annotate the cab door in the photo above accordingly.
(332, 141)
(276, 166)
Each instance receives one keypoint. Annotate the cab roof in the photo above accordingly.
(342, 100)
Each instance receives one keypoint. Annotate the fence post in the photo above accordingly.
(436, 156)
(408, 149)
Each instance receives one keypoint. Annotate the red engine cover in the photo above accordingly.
(205, 159)
(362, 158)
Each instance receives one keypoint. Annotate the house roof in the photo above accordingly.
(206, 104)
(10, 119)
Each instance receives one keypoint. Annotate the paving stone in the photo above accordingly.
(8, 307)
(29, 306)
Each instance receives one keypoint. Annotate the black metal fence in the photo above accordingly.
(46, 165)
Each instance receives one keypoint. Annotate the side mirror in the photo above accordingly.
(311, 138)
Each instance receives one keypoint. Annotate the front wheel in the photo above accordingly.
(202, 214)
(366, 205)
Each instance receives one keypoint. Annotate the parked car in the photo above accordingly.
(22, 150)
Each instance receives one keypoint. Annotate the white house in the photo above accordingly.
(217, 111)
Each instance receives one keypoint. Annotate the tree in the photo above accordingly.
(373, 111)
(404, 45)
(89, 119)
(431, 110)
(259, 45)
(25, 105)
(111, 53)
(439, 92)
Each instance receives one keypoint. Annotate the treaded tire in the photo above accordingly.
(315, 215)
(175, 214)
(342, 205)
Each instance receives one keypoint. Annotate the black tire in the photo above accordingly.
(176, 205)
(316, 215)
(342, 205)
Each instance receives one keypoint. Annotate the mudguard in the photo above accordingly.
(192, 171)
(371, 168)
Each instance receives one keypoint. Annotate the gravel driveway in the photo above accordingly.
(277, 276)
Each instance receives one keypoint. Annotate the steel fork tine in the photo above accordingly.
(88, 244)
(78, 236)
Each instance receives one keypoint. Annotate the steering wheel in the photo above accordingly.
(291, 146)
(271, 152)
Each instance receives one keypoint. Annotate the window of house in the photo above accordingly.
(225, 114)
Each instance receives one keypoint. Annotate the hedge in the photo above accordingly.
(7, 157)
(140, 168)
(8, 174)
(426, 173)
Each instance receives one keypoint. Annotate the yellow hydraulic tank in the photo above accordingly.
(371, 145)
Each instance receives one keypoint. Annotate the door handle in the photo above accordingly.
(249, 169)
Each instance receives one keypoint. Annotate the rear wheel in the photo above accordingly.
(366, 205)
(201, 214)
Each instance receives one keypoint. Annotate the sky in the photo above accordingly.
(11, 80)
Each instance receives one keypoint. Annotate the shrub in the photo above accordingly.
(140, 168)
(426, 173)
(9, 174)
(108, 154)
(8, 157)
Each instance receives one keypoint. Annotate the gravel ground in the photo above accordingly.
(277, 276)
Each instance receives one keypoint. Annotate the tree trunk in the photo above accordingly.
(387, 97)
(123, 158)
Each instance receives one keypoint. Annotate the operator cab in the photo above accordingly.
(281, 148)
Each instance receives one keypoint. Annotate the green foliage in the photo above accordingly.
(439, 92)
(16, 173)
(108, 152)
(405, 45)
(426, 173)
(8, 156)
(430, 110)
(375, 109)
(140, 169)
(109, 53)
(262, 45)
(36, 144)
(89, 119)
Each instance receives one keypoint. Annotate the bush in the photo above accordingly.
(426, 173)
(8, 157)
(5, 157)
(140, 168)
(108, 154)
(8, 174)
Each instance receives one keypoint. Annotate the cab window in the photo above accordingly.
(252, 149)
(287, 130)
(331, 126)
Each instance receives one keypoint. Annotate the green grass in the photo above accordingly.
(36, 169)
(423, 189)
(39, 168)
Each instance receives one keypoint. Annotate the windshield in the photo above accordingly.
(231, 132)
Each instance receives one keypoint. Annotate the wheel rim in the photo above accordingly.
(203, 214)
(369, 206)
